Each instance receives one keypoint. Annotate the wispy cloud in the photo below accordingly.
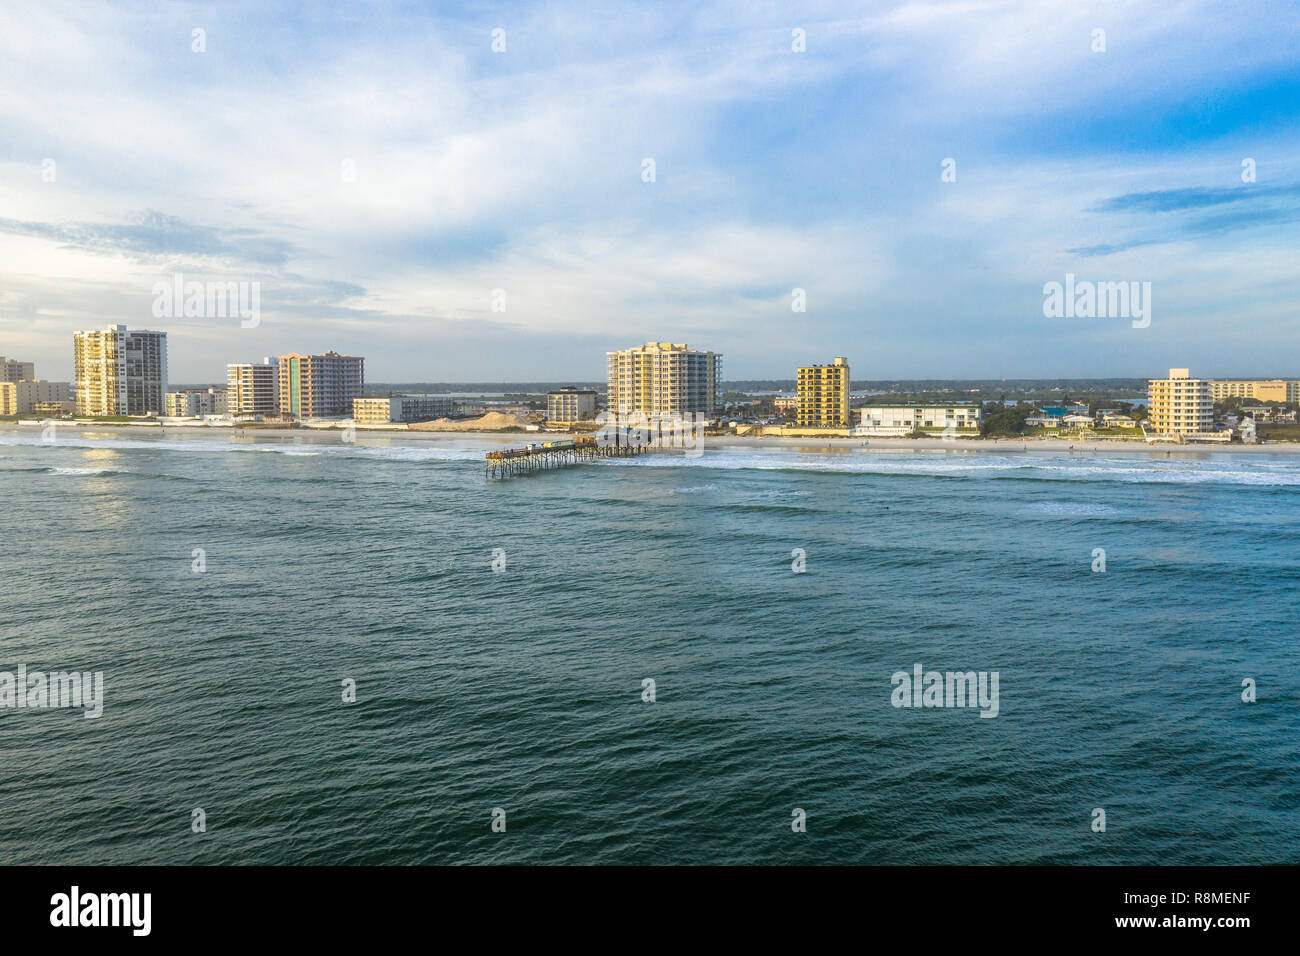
(150, 236)
(381, 172)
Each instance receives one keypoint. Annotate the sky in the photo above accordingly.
(399, 189)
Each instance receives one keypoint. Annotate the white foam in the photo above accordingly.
(1236, 470)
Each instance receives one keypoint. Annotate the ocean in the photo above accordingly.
(499, 636)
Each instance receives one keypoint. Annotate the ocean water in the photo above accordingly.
(522, 689)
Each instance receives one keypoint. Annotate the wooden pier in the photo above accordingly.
(554, 454)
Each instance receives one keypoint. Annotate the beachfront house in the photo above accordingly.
(1051, 416)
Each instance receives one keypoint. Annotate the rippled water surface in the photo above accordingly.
(522, 689)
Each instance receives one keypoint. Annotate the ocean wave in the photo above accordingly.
(992, 465)
(305, 449)
(84, 471)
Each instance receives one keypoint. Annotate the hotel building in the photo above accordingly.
(11, 370)
(381, 411)
(1180, 405)
(659, 378)
(196, 402)
(120, 372)
(905, 419)
(320, 386)
(1261, 390)
(823, 393)
(27, 395)
(253, 388)
(570, 404)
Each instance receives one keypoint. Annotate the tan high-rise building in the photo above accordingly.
(823, 393)
(1261, 390)
(120, 372)
(320, 386)
(659, 378)
(253, 388)
(1180, 405)
(11, 370)
(8, 398)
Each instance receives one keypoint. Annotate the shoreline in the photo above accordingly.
(833, 445)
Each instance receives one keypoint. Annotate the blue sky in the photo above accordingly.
(521, 170)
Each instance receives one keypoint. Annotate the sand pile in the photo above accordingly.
(491, 422)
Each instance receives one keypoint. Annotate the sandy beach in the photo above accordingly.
(805, 445)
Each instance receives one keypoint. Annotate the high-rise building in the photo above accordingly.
(320, 386)
(253, 388)
(823, 392)
(663, 379)
(120, 372)
(570, 404)
(8, 398)
(12, 370)
(1180, 405)
(1261, 390)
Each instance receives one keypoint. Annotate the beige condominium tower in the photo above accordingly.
(253, 388)
(120, 371)
(823, 392)
(663, 379)
(1180, 405)
(320, 386)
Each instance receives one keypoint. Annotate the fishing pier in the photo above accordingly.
(554, 454)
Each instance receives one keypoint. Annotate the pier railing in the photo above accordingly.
(538, 456)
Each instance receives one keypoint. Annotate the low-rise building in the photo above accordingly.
(570, 404)
(904, 419)
(1114, 418)
(24, 396)
(1261, 390)
(54, 409)
(382, 411)
(197, 402)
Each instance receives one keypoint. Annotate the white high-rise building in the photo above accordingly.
(254, 388)
(120, 372)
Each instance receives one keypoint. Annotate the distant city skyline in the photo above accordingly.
(397, 189)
